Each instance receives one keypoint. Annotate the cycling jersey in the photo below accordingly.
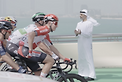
(41, 35)
(2, 49)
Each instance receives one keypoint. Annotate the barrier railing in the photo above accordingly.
(96, 37)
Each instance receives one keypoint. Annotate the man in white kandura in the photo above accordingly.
(85, 54)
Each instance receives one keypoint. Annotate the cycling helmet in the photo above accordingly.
(2, 18)
(5, 25)
(38, 16)
(51, 17)
(11, 19)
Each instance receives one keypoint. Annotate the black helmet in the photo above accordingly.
(5, 25)
(38, 16)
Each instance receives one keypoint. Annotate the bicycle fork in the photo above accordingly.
(62, 74)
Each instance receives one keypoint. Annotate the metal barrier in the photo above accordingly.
(96, 37)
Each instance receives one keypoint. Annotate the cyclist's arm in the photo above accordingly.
(48, 42)
(31, 36)
(44, 45)
(45, 48)
(52, 47)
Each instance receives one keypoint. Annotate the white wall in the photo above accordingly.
(106, 54)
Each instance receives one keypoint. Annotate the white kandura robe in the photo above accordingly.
(85, 54)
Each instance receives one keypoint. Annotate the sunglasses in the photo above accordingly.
(8, 31)
(55, 23)
(13, 24)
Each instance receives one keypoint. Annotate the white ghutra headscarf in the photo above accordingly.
(85, 12)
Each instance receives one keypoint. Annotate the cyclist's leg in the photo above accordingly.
(43, 58)
(49, 61)
(31, 62)
(12, 51)
(9, 61)
(37, 72)
(1, 61)
(38, 56)
(34, 66)
(7, 58)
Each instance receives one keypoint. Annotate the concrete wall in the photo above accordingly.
(106, 54)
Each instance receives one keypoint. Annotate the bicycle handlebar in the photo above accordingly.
(58, 65)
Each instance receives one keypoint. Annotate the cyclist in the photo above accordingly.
(51, 22)
(5, 31)
(37, 18)
(42, 34)
(13, 22)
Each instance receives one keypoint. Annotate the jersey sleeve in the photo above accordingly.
(47, 40)
(42, 30)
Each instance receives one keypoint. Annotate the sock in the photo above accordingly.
(21, 70)
(43, 74)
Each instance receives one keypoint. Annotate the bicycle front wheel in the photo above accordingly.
(72, 78)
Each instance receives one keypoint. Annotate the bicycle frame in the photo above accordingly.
(59, 73)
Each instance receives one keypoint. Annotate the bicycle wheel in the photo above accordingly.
(72, 78)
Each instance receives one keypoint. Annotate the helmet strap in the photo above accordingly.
(51, 28)
(3, 34)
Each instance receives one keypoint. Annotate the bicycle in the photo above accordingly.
(64, 76)
(57, 72)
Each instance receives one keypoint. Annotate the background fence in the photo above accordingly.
(96, 37)
(107, 48)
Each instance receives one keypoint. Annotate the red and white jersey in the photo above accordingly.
(22, 35)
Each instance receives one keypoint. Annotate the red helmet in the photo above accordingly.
(50, 17)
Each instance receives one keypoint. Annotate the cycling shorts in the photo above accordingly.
(32, 62)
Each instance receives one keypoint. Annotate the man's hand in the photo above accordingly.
(77, 32)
